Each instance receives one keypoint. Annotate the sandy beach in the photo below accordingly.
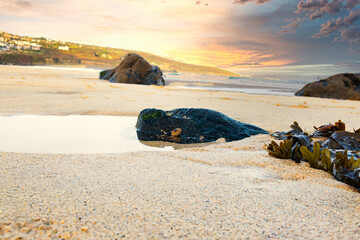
(228, 190)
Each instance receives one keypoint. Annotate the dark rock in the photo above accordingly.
(340, 86)
(351, 178)
(134, 69)
(191, 125)
(347, 169)
(343, 140)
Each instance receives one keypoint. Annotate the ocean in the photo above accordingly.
(263, 86)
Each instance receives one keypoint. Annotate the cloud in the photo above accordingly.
(246, 1)
(294, 23)
(230, 54)
(287, 31)
(333, 7)
(333, 25)
(201, 3)
(310, 5)
(352, 35)
(350, 4)
(316, 9)
(320, 5)
(291, 27)
(15, 5)
(316, 14)
(23, 3)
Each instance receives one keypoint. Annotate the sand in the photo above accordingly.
(224, 190)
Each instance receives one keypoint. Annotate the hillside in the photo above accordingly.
(20, 50)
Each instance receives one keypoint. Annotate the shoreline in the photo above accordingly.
(208, 82)
(84, 66)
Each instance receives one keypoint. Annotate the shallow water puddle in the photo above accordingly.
(70, 134)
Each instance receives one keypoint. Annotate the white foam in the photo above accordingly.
(59, 68)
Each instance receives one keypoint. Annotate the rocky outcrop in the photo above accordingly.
(134, 69)
(191, 125)
(340, 86)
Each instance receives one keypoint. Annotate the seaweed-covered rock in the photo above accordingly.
(346, 165)
(340, 86)
(136, 70)
(191, 125)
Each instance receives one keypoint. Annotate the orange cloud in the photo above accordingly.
(216, 55)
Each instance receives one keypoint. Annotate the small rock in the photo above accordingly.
(134, 69)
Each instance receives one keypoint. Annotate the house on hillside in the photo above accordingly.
(22, 43)
(64, 48)
(35, 47)
(4, 48)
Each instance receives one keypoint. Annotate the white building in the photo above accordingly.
(4, 48)
(64, 48)
(35, 47)
(23, 43)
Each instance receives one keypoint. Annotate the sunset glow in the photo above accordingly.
(213, 33)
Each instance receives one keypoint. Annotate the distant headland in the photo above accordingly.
(23, 50)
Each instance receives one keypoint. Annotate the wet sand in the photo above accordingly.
(224, 190)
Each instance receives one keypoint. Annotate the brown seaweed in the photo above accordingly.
(296, 133)
(295, 130)
(286, 150)
(319, 159)
(327, 164)
(283, 151)
(296, 153)
(342, 161)
(327, 130)
(340, 126)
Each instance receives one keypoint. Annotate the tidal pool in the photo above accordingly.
(70, 134)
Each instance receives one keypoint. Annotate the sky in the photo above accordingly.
(239, 35)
